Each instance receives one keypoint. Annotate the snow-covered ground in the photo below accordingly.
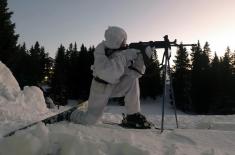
(197, 134)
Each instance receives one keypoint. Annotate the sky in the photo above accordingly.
(55, 22)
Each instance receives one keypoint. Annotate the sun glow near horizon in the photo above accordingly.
(220, 41)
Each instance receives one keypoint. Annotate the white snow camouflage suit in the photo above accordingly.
(115, 79)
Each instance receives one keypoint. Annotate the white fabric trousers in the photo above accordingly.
(99, 97)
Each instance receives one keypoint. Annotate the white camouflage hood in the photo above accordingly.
(114, 36)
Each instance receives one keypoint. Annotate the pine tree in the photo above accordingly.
(227, 62)
(207, 76)
(195, 72)
(38, 61)
(205, 58)
(79, 74)
(22, 62)
(181, 79)
(8, 38)
(215, 63)
(216, 84)
(225, 97)
(216, 76)
(233, 83)
(233, 62)
(226, 71)
(233, 71)
(85, 73)
(72, 70)
(59, 80)
(200, 91)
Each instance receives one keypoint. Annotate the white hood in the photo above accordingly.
(114, 36)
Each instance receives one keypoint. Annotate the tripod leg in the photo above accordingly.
(164, 94)
(172, 91)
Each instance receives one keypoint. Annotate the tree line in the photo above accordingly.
(72, 75)
(202, 83)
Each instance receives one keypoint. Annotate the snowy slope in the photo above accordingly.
(203, 135)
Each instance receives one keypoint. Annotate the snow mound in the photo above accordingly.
(42, 140)
(16, 104)
(34, 142)
(71, 139)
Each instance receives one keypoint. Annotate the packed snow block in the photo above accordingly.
(16, 104)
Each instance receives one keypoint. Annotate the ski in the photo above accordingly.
(61, 116)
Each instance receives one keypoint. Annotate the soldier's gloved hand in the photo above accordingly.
(130, 54)
(147, 55)
(139, 64)
(149, 51)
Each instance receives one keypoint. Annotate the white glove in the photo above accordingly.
(130, 54)
(149, 51)
(139, 64)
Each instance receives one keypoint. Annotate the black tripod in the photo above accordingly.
(167, 72)
(166, 45)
